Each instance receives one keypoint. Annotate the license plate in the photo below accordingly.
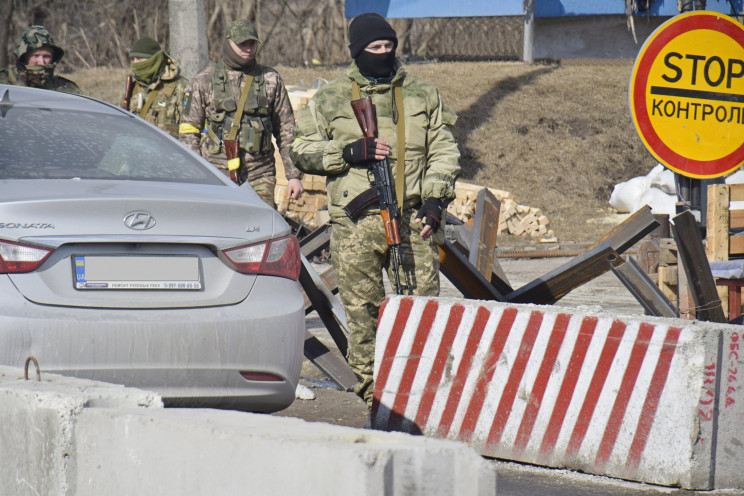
(137, 272)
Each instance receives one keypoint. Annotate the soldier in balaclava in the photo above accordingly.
(36, 57)
(416, 135)
(242, 104)
(156, 90)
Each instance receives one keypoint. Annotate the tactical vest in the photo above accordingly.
(158, 108)
(255, 130)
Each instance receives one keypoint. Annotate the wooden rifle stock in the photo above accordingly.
(128, 91)
(392, 228)
(365, 115)
(232, 153)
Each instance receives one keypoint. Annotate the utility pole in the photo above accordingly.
(188, 35)
(529, 30)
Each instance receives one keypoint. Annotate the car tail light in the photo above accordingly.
(15, 257)
(275, 257)
(260, 376)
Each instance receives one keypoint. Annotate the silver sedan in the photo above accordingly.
(126, 258)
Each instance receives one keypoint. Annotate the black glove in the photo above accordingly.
(431, 212)
(360, 151)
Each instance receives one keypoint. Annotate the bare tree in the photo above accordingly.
(6, 14)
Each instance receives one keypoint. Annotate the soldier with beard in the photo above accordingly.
(36, 57)
(157, 89)
(242, 104)
(416, 134)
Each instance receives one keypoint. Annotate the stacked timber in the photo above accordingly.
(311, 208)
(515, 219)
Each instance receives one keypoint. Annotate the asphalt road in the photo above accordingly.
(344, 408)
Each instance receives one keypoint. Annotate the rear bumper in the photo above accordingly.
(190, 356)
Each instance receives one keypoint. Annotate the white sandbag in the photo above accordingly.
(660, 202)
(664, 180)
(626, 195)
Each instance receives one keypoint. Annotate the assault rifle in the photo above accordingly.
(384, 187)
(128, 91)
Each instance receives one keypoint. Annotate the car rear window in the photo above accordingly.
(51, 143)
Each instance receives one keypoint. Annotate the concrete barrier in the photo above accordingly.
(65, 436)
(640, 398)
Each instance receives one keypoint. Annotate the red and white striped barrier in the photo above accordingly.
(640, 398)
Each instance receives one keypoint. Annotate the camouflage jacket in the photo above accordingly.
(168, 93)
(328, 124)
(55, 83)
(200, 109)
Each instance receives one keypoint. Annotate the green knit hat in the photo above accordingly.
(145, 47)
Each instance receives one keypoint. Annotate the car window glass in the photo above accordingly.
(61, 144)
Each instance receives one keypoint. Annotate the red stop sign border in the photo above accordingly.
(639, 80)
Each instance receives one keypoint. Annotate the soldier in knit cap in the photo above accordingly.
(416, 134)
(155, 89)
(36, 57)
(242, 104)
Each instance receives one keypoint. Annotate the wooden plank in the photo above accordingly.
(332, 366)
(640, 285)
(736, 192)
(668, 282)
(685, 301)
(559, 282)
(485, 230)
(471, 283)
(463, 239)
(691, 254)
(647, 256)
(736, 245)
(717, 223)
(630, 231)
(736, 219)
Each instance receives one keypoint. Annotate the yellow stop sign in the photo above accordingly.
(687, 94)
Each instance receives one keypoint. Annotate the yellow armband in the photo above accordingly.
(185, 128)
(233, 164)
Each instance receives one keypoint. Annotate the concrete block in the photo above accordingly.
(67, 436)
(196, 452)
(38, 423)
(640, 398)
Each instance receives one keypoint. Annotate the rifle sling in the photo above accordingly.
(148, 103)
(235, 126)
(167, 90)
(400, 132)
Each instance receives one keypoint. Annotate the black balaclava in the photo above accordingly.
(376, 65)
(365, 29)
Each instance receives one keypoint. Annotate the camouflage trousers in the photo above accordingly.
(359, 253)
(264, 187)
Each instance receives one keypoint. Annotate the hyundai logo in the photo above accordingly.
(139, 221)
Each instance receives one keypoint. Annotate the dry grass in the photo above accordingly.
(558, 135)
